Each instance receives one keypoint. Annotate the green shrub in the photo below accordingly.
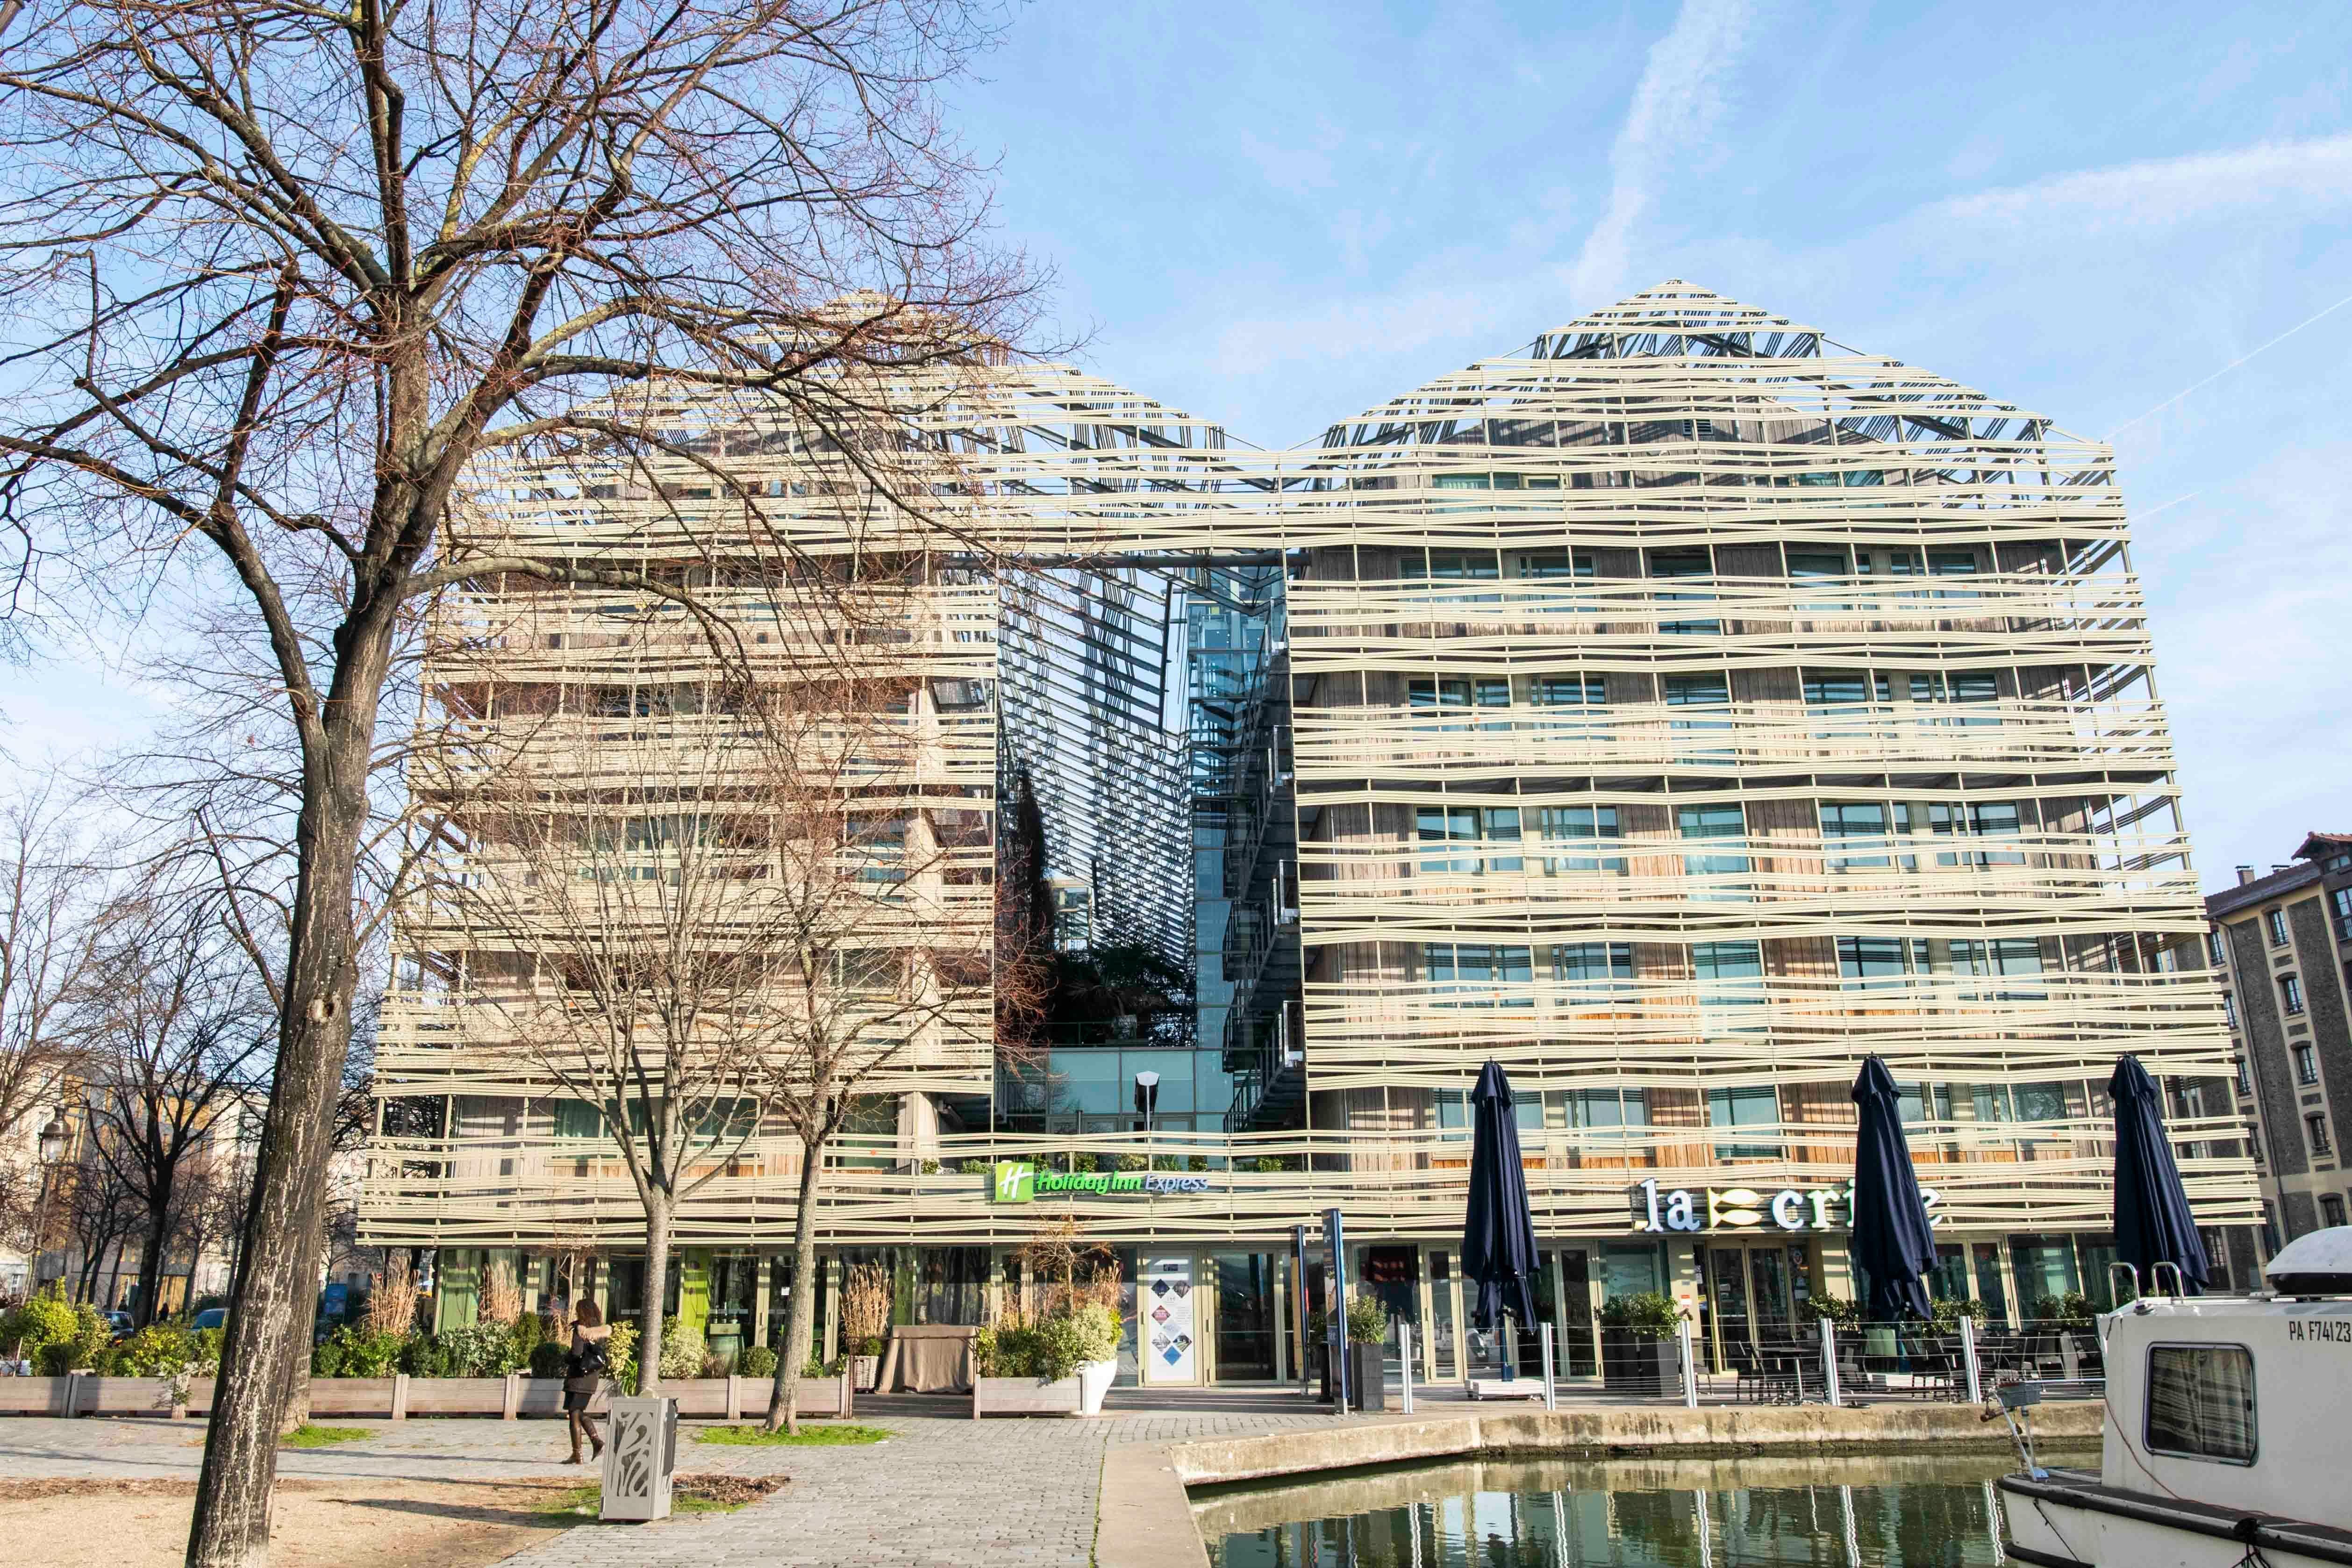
(425, 1356)
(352, 1352)
(1844, 1313)
(48, 1318)
(1948, 1314)
(528, 1333)
(2072, 1309)
(480, 1349)
(547, 1359)
(1367, 1322)
(1050, 1349)
(1645, 1312)
(683, 1352)
(758, 1360)
(56, 1359)
(621, 1353)
(169, 1349)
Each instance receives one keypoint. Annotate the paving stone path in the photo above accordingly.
(944, 1490)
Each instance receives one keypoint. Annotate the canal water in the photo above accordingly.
(1897, 1512)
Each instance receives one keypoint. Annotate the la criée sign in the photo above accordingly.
(1662, 1211)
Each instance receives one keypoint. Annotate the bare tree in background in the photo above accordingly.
(48, 887)
(178, 1033)
(695, 923)
(279, 277)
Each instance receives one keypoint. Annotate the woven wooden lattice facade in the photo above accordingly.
(1683, 709)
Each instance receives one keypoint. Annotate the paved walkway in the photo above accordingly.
(945, 1489)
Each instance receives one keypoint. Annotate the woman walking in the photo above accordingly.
(584, 1375)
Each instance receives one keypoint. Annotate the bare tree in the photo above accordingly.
(45, 933)
(281, 276)
(97, 1210)
(697, 930)
(176, 1034)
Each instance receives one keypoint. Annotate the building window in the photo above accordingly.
(2230, 1009)
(2274, 921)
(1756, 1107)
(2291, 992)
(2214, 956)
(2316, 1125)
(2245, 1088)
(2307, 1064)
(2331, 1210)
(2339, 905)
(2200, 1402)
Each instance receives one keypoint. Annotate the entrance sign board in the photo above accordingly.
(1021, 1182)
(1167, 1328)
(1661, 1211)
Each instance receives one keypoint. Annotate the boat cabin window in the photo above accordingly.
(2200, 1402)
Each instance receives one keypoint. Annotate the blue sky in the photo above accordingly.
(1279, 216)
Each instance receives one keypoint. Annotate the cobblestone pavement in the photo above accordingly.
(945, 1489)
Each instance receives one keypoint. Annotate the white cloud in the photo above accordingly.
(2160, 191)
(1669, 127)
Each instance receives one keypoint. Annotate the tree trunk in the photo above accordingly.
(649, 1319)
(277, 1264)
(151, 1255)
(784, 1399)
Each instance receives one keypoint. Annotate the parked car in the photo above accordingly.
(210, 1317)
(119, 1325)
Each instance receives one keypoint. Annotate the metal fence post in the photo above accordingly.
(1968, 1359)
(1404, 1364)
(1552, 1392)
(1690, 1365)
(1829, 1362)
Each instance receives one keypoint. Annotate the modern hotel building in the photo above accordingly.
(1675, 710)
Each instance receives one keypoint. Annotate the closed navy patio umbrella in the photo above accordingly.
(2153, 1223)
(1498, 1238)
(1891, 1242)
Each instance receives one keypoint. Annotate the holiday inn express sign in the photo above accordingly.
(1657, 1212)
(1019, 1180)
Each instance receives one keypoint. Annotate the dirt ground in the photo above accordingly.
(354, 1523)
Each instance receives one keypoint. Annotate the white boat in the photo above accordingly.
(2228, 1433)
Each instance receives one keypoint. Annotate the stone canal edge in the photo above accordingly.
(1144, 1519)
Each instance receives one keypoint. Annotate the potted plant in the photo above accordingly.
(1061, 1362)
(1638, 1354)
(1367, 1332)
(864, 1319)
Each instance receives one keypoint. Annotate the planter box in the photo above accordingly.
(863, 1370)
(457, 1395)
(1081, 1394)
(1636, 1363)
(352, 1396)
(124, 1396)
(35, 1396)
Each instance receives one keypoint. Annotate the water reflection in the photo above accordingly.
(1828, 1514)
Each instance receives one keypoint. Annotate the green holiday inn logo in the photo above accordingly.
(1020, 1182)
(1016, 1181)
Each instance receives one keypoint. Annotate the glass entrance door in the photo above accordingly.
(1443, 1318)
(1244, 1321)
(1576, 1355)
(1730, 1332)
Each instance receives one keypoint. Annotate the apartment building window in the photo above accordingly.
(2307, 1064)
(1586, 827)
(1720, 822)
(2291, 994)
(2245, 1084)
(2331, 1210)
(2274, 921)
(2230, 1008)
(2213, 953)
(2316, 1125)
(1461, 826)
(2339, 905)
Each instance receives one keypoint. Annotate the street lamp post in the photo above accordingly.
(1147, 1101)
(53, 1138)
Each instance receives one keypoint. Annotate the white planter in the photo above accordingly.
(863, 1372)
(1094, 1382)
